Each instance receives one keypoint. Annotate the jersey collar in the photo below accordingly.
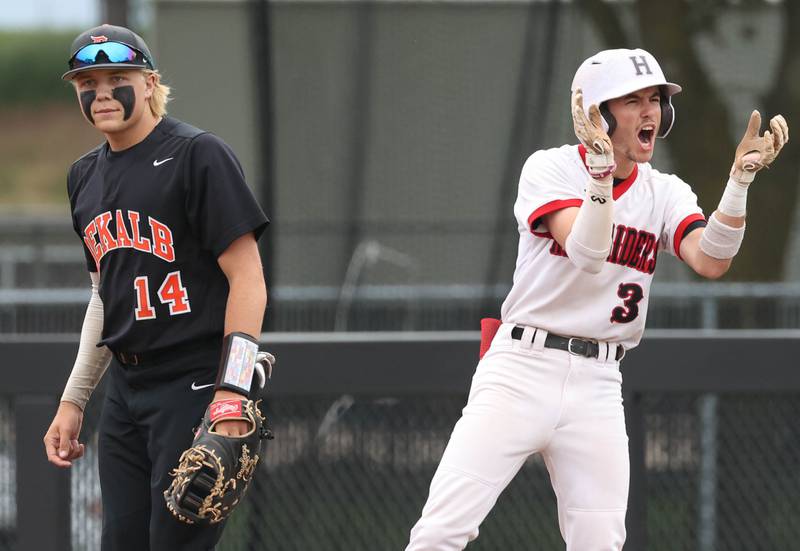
(621, 187)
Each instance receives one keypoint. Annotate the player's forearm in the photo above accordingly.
(702, 263)
(247, 300)
(91, 362)
(728, 220)
(247, 295)
(710, 252)
(589, 240)
(244, 313)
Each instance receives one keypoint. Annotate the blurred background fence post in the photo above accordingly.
(707, 412)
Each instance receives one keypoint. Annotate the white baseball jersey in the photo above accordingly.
(651, 213)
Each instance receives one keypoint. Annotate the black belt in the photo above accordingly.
(162, 354)
(573, 345)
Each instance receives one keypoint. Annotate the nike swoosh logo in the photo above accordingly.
(159, 163)
(195, 386)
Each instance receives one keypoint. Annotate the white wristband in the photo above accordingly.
(734, 199)
(719, 240)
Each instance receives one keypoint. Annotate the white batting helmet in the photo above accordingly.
(615, 73)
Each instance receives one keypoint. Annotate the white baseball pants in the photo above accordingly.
(526, 399)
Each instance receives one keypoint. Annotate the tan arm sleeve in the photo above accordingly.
(91, 361)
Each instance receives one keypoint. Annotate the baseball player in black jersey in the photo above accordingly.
(169, 229)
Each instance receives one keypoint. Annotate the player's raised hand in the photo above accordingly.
(590, 132)
(758, 151)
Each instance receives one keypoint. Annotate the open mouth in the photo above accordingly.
(646, 136)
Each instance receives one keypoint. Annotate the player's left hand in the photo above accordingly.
(590, 132)
(756, 152)
(263, 372)
(214, 473)
(230, 427)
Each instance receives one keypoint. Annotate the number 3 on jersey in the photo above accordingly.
(631, 294)
(171, 292)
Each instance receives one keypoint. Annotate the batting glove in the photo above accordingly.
(264, 363)
(756, 152)
(589, 130)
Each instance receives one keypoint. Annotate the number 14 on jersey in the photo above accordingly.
(172, 292)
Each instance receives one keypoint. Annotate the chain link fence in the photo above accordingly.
(351, 472)
(86, 507)
(738, 492)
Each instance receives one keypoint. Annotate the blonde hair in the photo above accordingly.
(158, 101)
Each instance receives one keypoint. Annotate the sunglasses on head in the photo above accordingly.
(107, 52)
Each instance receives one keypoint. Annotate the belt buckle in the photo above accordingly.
(581, 349)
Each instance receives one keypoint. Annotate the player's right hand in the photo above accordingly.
(590, 132)
(61, 439)
(756, 152)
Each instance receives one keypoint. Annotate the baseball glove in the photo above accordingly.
(213, 475)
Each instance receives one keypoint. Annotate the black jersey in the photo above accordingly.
(154, 218)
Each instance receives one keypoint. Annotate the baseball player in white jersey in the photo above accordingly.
(592, 220)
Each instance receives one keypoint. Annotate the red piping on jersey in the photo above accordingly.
(547, 208)
(621, 187)
(681, 228)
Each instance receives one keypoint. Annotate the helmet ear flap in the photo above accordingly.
(609, 119)
(667, 114)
